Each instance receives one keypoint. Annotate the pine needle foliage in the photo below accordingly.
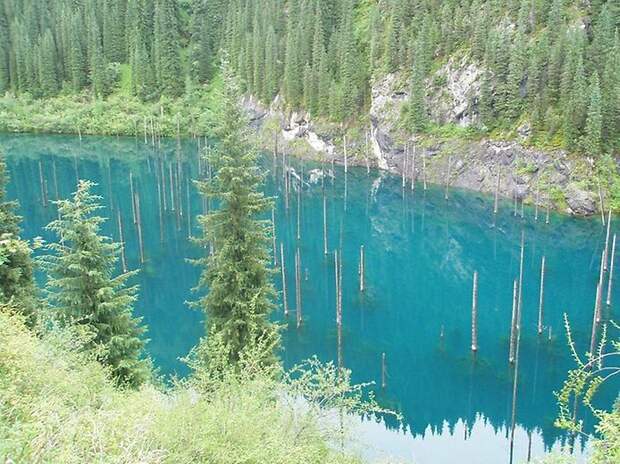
(240, 293)
(85, 292)
(16, 264)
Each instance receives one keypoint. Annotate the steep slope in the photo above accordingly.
(57, 405)
(543, 73)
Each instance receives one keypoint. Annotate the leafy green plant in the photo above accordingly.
(582, 383)
(59, 404)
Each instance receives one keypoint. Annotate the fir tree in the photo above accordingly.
(85, 292)
(391, 45)
(5, 51)
(309, 90)
(417, 110)
(487, 99)
(375, 37)
(336, 101)
(537, 69)
(352, 65)
(611, 97)
(292, 67)
(240, 293)
(98, 76)
(199, 48)
(513, 104)
(603, 40)
(16, 266)
(271, 65)
(113, 31)
(555, 21)
(77, 55)
(167, 48)
(324, 86)
(592, 141)
(480, 30)
(576, 106)
(555, 71)
(48, 77)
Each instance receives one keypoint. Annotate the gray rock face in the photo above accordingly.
(524, 173)
(454, 92)
(255, 111)
(579, 201)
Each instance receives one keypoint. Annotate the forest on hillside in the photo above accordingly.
(79, 381)
(553, 63)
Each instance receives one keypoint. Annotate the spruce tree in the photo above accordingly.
(352, 64)
(324, 86)
(293, 68)
(480, 30)
(336, 101)
(16, 265)
(417, 110)
(85, 291)
(576, 106)
(603, 40)
(167, 48)
(513, 105)
(48, 77)
(77, 55)
(391, 46)
(592, 142)
(24, 56)
(555, 70)
(375, 38)
(309, 93)
(240, 293)
(555, 21)
(113, 23)
(611, 98)
(98, 76)
(199, 47)
(271, 65)
(487, 103)
(537, 69)
(5, 51)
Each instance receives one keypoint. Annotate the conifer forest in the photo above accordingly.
(309, 231)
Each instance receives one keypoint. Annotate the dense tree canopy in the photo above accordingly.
(537, 56)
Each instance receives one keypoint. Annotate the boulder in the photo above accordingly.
(579, 201)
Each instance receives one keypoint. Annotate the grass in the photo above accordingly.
(118, 114)
(58, 405)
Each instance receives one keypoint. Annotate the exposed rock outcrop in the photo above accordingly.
(526, 174)
(454, 92)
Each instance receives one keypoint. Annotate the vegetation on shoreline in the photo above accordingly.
(552, 65)
(59, 404)
(75, 385)
(593, 372)
(117, 114)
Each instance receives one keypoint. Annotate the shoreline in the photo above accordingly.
(547, 178)
(553, 179)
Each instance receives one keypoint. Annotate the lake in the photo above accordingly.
(410, 329)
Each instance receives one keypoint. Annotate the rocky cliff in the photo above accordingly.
(548, 178)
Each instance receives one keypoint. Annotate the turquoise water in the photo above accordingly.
(421, 251)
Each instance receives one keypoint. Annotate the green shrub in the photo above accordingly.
(59, 405)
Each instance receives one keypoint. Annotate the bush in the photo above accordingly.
(57, 404)
(118, 114)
